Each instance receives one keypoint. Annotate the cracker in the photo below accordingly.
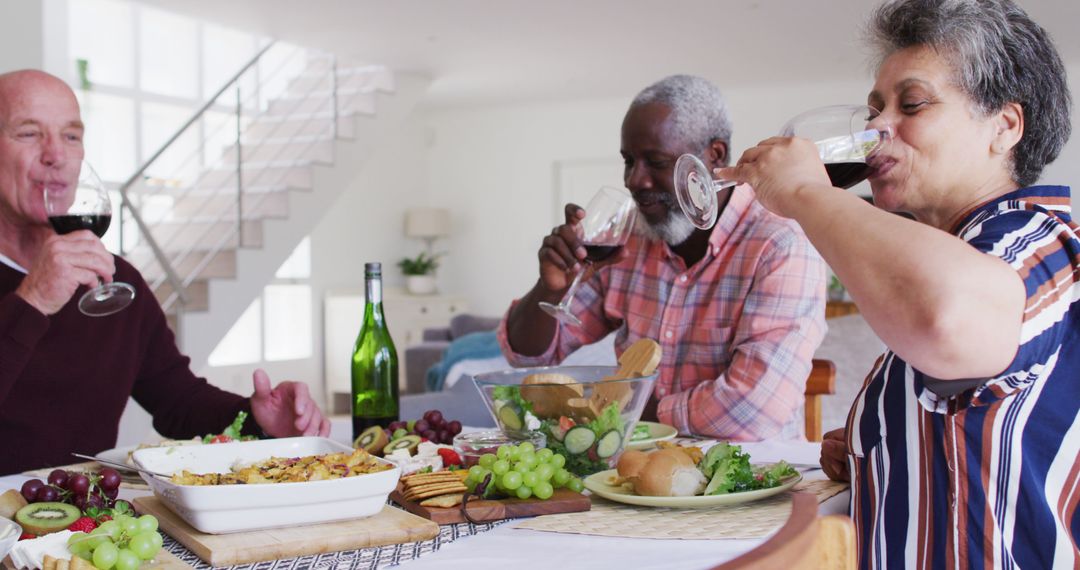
(435, 492)
(79, 563)
(49, 563)
(420, 478)
(443, 501)
(62, 564)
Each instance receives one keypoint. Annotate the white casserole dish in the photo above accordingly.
(218, 509)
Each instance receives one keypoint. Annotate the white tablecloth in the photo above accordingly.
(517, 549)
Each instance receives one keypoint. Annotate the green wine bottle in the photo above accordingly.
(374, 362)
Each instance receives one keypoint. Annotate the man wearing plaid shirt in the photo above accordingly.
(738, 309)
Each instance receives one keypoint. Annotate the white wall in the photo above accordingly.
(493, 167)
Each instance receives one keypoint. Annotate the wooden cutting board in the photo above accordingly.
(391, 526)
(563, 501)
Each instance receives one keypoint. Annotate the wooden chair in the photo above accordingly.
(806, 541)
(822, 381)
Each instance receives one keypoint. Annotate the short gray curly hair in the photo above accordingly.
(999, 55)
(699, 112)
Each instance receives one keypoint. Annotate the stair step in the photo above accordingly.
(299, 177)
(277, 126)
(273, 204)
(222, 265)
(263, 153)
(347, 78)
(348, 101)
(179, 193)
(198, 293)
(175, 237)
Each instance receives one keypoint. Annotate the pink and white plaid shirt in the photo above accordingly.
(738, 329)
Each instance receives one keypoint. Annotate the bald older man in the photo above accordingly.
(66, 377)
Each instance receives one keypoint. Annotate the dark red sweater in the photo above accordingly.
(65, 379)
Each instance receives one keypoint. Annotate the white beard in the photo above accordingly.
(673, 231)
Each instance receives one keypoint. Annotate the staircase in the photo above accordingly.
(211, 216)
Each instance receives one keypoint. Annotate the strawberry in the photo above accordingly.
(27, 536)
(449, 456)
(83, 524)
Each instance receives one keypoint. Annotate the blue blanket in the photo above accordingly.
(470, 346)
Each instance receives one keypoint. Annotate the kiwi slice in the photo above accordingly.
(372, 440)
(43, 518)
(404, 442)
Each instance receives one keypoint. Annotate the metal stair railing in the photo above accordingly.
(243, 146)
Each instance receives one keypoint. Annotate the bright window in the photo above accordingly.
(102, 33)
(169, 57)
(110, 134)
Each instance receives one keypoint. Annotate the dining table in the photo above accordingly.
(502, 544)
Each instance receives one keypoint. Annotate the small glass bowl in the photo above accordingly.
(470, 446)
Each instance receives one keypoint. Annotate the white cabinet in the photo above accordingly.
(406, 315)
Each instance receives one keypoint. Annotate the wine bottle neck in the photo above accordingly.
(374, 290)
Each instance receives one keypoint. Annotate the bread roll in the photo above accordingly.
(667, 473)
(631, 462)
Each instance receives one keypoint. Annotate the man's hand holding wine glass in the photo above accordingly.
(589, 239)
(563, 252)
(63, 264)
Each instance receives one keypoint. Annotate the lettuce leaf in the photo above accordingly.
(608, 420)
(512, 394)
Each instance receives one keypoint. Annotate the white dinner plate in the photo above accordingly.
(596, 484)
(657, 432)
(118, 455)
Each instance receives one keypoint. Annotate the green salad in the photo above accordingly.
(587, 446)
(728, 469)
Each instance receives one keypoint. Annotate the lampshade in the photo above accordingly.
(427, 222)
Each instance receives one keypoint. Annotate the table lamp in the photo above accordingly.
(427, 224)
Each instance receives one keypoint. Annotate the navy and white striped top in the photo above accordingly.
(989, 477)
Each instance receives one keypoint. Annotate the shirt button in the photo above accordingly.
(661, 391)
(683, 278)
(667, 334)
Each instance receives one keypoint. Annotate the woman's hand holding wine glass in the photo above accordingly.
(778, 169)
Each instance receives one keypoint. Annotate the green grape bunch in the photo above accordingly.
(522, 471)
(122, 543)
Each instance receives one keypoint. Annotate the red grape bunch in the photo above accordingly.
(79, 489)
(432, 427)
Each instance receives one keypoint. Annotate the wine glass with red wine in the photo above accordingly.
(844, 140)
(609, 219)
(86, 206)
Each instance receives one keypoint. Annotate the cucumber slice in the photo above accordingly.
(609, 444)
(579, 439)
(511, 417)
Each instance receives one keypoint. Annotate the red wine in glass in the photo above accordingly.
(609, 219)
(97, 223)
(847, 174)
(84, 205)
(599, 252)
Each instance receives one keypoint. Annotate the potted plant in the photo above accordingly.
(420, 273)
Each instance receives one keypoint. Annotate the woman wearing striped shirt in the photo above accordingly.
(963, 447)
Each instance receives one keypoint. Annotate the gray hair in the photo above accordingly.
(998, 56)
(699, 112)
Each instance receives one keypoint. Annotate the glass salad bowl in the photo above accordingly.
(584, 414)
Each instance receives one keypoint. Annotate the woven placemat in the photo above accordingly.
(749, 520)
